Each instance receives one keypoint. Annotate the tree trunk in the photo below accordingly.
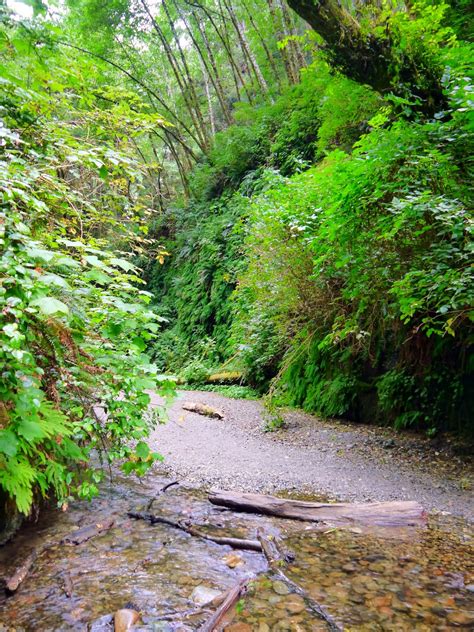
(368, 58)
(384, 514)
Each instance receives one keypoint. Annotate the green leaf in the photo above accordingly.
(48, 305)
(30, 430)
(142, 450)
(8, 442)
(139, 343)
(54, 279)
(123, 263)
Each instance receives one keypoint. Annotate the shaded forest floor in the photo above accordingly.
(310, 455)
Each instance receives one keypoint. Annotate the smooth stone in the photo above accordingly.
(203, 595)
(125, 619)
(280, 587)
(238, 627)
(295, 604)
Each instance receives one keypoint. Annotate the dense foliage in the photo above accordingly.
(353, 276)
(74, 320)
(300, 203)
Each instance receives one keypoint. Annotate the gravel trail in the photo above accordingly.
(338, 460)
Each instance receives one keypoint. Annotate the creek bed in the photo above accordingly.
(421, 580)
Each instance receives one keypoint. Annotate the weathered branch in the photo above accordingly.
(214, 622)
(235, 543)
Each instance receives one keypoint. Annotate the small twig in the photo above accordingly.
(276, 560)
(162, 491)
(67, 585)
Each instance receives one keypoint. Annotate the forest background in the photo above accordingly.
(248, 193)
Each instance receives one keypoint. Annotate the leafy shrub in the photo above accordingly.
(74, 321)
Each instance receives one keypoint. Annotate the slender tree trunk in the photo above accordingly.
(214, 75)
(268, 52)
(231, 55)
(189, 77)
(246, 50)
(205, 76)
(291, 45)
(277, 25)
(173, 115)
(177, 73)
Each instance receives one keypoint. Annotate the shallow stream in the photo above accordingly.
(416, 580)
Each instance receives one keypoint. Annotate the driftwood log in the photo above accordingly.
(21, 572)
(88, 532)
(202, 409)
(383, 514)
(235, 543)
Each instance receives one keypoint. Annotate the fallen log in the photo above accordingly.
(21, 572)
(202, 409)
(384, 514)
(214, 622)
(277, 560)
(88, 532)
(235, 543)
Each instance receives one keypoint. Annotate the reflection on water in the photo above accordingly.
(365, 581)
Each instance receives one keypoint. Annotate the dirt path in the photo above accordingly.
(341, 461)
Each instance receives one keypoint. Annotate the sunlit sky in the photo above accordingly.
(20, 8)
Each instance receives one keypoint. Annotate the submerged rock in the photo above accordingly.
(125, 619)
(102, 624)
(203, 595)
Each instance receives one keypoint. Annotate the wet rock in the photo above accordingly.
(280, 587)
(125, 619)
(102, 624)
(203, 595)
(295, 604)
(461, 619)
(232, 560)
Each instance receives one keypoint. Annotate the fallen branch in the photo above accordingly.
(385, 514)
(276, 561)
(233, 596)
(162, 491)
(235, 543)
(67, 585)
(22, 572)
(202, 409)
(86, 533)
(273, 549)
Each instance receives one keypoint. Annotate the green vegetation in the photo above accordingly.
(336, 244)
(298, 203)
(75, 321)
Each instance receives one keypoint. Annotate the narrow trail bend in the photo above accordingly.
(338, 460)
